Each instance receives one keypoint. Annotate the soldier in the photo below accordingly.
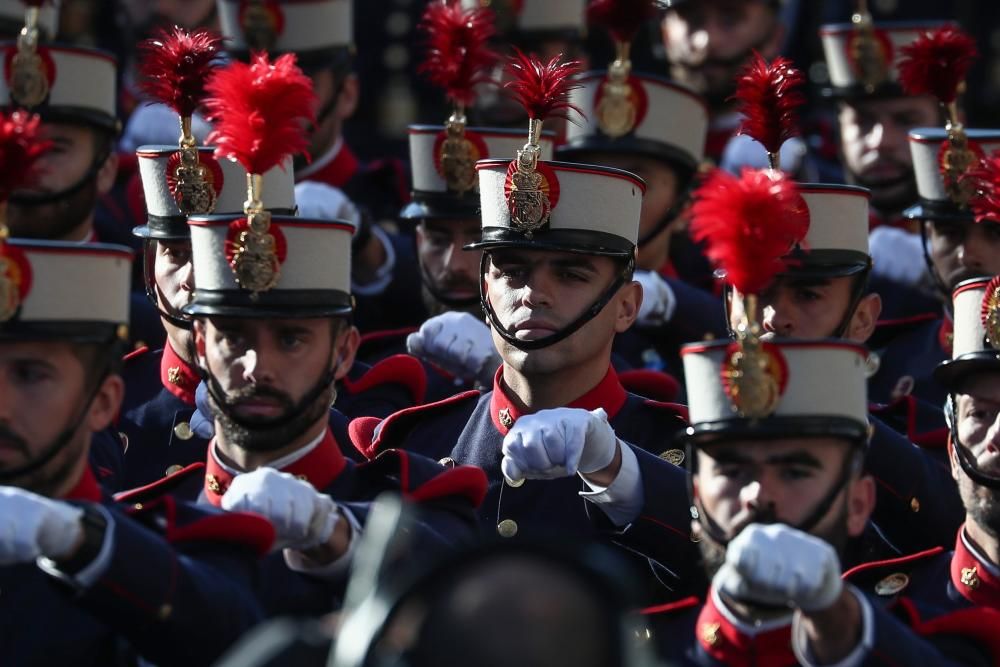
(559, 242)
(68, 554)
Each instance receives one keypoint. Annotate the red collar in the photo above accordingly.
(946, 335)
(86, 489)
(608, 394)
(338, 171)
(178, 376)
(319, 467)
(727, 644)
(972, 577)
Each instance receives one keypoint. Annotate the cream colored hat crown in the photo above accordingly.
(837, 240)
(225, 179)
(311, 29)
(941, 197)
(537, 17)
(864, 61)
(49, 291)
(575, 208)
(976, 343)
(314, 268)
(61, 83)
(441, 190)
(817, 387)
(666, 121)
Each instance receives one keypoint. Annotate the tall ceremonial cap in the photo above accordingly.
(59, 83)
(443, 157)
(523, 21)
(186, 180)
(12, 18)
(628, 112)
(935, 64)
(319, 32)
(47, 288)
(863, 57)
(254, 263)
(533, 203)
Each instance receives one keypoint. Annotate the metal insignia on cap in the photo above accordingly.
(990, 313)
(527, 196)
(869, 51)
(754, 376)
(255, 248)
(15, 278)
(194, 181)
(956, 157)
(28, 79)
(456, 154)
(261, 21)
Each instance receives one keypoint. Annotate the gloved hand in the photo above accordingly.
(303, 518)
(778, 565)
(658, 300)
(32, 526)
(321, 201)
(556, 443)
(459, 343)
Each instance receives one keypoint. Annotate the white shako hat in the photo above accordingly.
(227, 178)
(12, 18)
(812, 388)
(49, 292)
(976, 344)
(837, 241)
(314, 268)
(437, 194)
(863, 59)
(580, 208)
(940, 197)
(669, 122)
(319, 32)
(61, 84)
(521, 20)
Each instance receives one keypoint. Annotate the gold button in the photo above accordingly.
(447, 462)
(137, 506)
(183, 431)
(213, 484)
(507, 528)
(674, 456)
(892, 584)
(164, 612)
(174, 375)
(505, 419)
(915, 504)
(174, 469)
(710, 633)
(970, 577)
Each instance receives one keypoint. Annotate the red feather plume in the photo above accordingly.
(750, 224)
(259, 111)
(985, 203)
(622, 18)
(20, 147)
(768, 96)
(176, 65)
(935, 63)
(542, 88)
(458, 53)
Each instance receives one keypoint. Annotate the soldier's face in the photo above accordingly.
(875, 147)
(452, 271)
(978, 423)
(537, 293)
(963, 250)
(44, 388)
(782, 480)
(174, 275)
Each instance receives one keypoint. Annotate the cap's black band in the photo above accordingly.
(175, 227)
(426, 205)
(709, 432)
(583, 241)
(275, 303)
(931, 209)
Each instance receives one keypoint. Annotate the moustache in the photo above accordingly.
(11, 439)
(251, 392)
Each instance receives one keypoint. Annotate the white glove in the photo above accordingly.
(302, 517)
(658, 300)
(459, 343)
(321, 201)
(32, 526)
(556, 443)
(897, 255)
(778, 565)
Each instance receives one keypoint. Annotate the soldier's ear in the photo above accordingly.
(199, 342)
(864, 318)
(629, 300)
(350, 95)
(860, 504)
(346, 350)
(107, 174)
(106, 404)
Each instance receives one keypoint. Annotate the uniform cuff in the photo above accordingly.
(800, 643)
(621, 500)
(299, 562)
(90, 574)
(384, 273)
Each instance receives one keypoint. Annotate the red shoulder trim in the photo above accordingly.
(934, 439)
(656, 385)
(902, 560)
(238, 528)
(671, 607)
(468, 482)
(160, 488)
(399, 369)
(361, 430)
(911, 319)
(375, 336)
(977, 623)
(679, 410)
(137, 352)
(381, 433)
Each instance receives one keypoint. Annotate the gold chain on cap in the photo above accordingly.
(458, 155)
(866, 51)
(616, 112)
(193, 192)
(255, 262)
(529, 205)
(29, 84)
(752, 374)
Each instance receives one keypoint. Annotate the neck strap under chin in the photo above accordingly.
(43, 198)
(567, 331)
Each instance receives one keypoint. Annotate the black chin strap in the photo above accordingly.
(964, 456)
(43, 198)
(153, 291)
(567, 331)
(857, 293)
(925, 247)
(669, 216)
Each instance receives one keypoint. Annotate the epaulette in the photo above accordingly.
(374, 342)
(913, 415)
(675, 409)
(672, 607)
(422, 479)
(887, 578)
(401, 369)
(161, 487)
(977, 623)
(656, 385)
(136, 353)
(182, 523)
(371, 434)
(888, 330)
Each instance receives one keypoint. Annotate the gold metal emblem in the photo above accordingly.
(10, 298)
(892, 584)
(447, 462)
(255, 261)
(970, 577)
(616, 112)
(174, 375)
(506, 420)
(507, 528)
(213, 484)
(753, 375)
(957, 159)
(866, 52)
(914, 505)
(183, 431)
(193, 191)
(458, 156)
(710, 633)
(529, 204)
(674, 456)
(173, 470)
(259, 26)
(991, 313)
